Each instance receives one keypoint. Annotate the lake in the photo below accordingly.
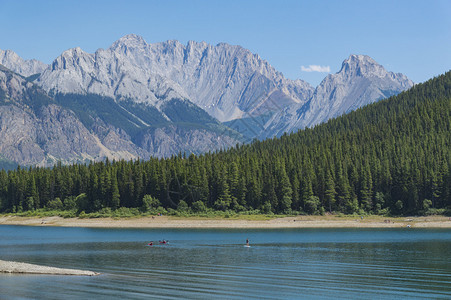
(206, 264)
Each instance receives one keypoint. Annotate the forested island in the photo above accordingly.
(392, 157)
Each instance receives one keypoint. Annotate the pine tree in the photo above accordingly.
(114, 191)
(366, 192)
(224, 198)
(286, 192)
(330, 191)
(270, 201)
(393, 156)
(296, 193)
(32, 193)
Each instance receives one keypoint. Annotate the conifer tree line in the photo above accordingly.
(391, 157)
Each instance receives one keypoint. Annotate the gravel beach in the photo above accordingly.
(328, 221)
(13, 267)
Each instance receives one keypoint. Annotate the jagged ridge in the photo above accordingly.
(226, 81)
(360, 81)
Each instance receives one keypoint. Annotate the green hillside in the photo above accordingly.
(391, 157)
(137, 118)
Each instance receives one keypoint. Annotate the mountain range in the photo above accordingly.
(135, 100)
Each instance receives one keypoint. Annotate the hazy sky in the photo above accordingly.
(302, 39)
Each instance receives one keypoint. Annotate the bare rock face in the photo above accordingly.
(175, 139)
(360, 81)
(226, 81)
(19, 65)
(136, 100)
(38, 134)
(36, 130)
(19, 135)
(63, 136)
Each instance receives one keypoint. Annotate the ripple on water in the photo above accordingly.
(205, 264)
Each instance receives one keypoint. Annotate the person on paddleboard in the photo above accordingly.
(247, 242)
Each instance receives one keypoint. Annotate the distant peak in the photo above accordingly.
(132, 38)
(77, 51)
(130, 41)
(362, 65)
(359, 59)
(173, 43)
(9, 53)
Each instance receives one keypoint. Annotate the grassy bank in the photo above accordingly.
(136, 213)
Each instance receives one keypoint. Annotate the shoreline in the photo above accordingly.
(330, 221)
(13, 267)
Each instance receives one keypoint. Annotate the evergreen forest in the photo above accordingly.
(392, 157)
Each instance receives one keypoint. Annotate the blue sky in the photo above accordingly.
(410, 37)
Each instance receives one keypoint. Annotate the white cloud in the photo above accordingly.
(316, 68)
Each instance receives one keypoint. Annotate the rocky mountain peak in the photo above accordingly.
(129, 41)
(15, 63)
(150, 90)
(227, 81)
(359, 59)
(362, 65)
(10, 54)
(360, 81)
(74, 53)
(72, 58)
(12, 86)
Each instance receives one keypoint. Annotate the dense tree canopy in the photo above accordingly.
(393, 156)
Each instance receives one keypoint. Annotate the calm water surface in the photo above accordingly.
(205, 264)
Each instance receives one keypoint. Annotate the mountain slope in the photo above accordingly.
(17, 64)
(139, 100)
(360, 81)
(390, 157)
(178, 126)
(226, 81)
(36, 129)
